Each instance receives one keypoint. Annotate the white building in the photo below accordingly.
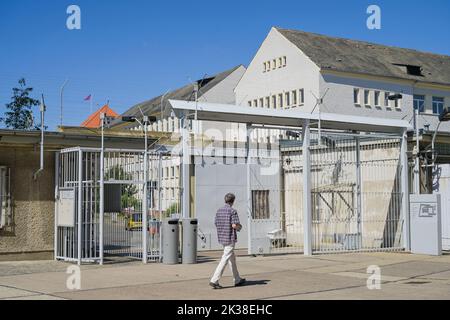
(295, 69)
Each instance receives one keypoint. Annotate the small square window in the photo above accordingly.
(356, 96)
(280, 100)
(301, 96)
(386, 99)
(367, 97)
(294, 97)
(438, 105)
(287, 98)
(419, 102)
(377, 98)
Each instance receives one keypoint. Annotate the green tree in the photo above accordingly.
(20, 114)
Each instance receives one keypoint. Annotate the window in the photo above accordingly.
(255, 103)
(287, 98)
(173, 172)
(264, 66)
(274, 102)
(284, 61)
(398, 103)
(294, 97)
(274, 64)
(438, 105)
(356, 96)
(301, 96)
(367, 97)
(167, 172)
(5, 198)
(267, 102)
(250, 103)
(419, 102)
(386, 99)
(377, 98)
(172, 193)
(268, 65)
(260, 204)
(280, 101)
(261, 102)
(280, 62)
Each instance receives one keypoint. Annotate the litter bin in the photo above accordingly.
(190, 231)
(170, 237)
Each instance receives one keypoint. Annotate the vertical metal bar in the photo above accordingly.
(358, 190)
(102, 196)
(80, 196)
(307, 209)
(55, 243)
(405, 192)
(249, 190)
(144, 200)
(160, 203)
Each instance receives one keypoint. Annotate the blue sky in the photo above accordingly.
(130, 51)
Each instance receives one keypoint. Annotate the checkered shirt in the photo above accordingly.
(225, 217)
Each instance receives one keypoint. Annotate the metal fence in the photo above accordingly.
(356, 195)
(122, 231)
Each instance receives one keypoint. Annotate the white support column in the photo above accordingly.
(185, 169)
(55, 240)
(102, 189)
(358, 190)
(249, 188)
(80, 201)
(307, 206)
(145, 197)
(405, 192)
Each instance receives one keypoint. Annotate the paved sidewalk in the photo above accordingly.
(341, 276)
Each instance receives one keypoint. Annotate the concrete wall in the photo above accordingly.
(31, 233)
(213, 179)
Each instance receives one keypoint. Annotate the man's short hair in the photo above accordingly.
(229, 198)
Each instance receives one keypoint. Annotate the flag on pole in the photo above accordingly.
(88, 98)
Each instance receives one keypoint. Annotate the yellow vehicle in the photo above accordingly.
(134, 221)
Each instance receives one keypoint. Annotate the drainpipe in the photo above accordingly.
(41, 168)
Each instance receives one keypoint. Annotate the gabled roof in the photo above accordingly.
(152, 107)
(93, 121)
(352, 56)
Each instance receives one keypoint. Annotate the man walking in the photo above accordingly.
(227, 224)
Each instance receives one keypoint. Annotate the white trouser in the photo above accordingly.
(230, 258)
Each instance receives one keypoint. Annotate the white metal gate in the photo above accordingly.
(441, 184)
(80, 234)
(356, 195)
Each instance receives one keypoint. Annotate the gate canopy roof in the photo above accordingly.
(287, 118)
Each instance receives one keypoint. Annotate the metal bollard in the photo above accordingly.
(170, 241)
(190, 230)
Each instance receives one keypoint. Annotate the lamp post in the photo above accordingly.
(102, 184)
